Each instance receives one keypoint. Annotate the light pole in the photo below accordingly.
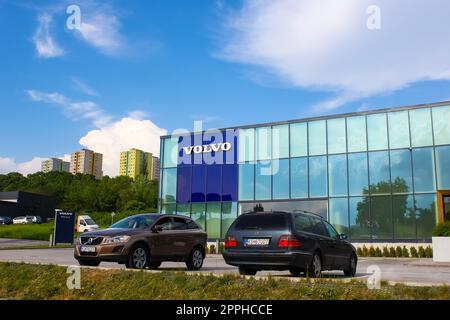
(112, 217)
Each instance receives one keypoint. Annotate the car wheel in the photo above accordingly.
(154, 265)
(195, 259)
(315, 268)
(351, 271)
(247, 271)
(296, 272)
(138, 257)
(90, 263)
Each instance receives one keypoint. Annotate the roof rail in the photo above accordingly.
(309, 212)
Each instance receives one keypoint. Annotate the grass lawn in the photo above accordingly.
(27, 231)
(22, 281)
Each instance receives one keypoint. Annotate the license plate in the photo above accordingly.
(87, 249)
(256, 242)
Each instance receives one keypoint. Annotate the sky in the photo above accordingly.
(127, 72)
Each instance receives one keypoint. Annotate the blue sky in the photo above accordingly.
(137, 69)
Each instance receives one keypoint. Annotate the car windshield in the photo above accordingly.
(89, 222)
(134, 222)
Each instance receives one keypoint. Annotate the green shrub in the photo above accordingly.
(378, 252)
(421, 252)
(359, 252)
(221, 247)
(212, 249)
(414, 252)
(442, 230)
(405, 252)
(371, 251)
(392, 252)
(398, 251)
(365, 251)
(428, 252)
(386, 252)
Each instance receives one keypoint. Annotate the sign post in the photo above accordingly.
(112, 217)
(64, 232)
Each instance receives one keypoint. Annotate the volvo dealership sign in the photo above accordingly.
(64, 227)
(208, 148)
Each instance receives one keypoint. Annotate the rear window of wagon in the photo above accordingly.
(268, 221)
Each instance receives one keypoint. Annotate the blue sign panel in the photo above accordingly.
(64, 227)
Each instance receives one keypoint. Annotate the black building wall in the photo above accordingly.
(26, 204)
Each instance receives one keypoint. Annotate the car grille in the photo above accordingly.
(91, 240)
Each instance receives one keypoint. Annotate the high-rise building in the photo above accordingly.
(87, 162)
(135, 163)
(55, 164)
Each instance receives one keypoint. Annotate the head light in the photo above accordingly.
(117, 239)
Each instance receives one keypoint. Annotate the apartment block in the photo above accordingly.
(87, 162)
(55, 164)
(135, 163)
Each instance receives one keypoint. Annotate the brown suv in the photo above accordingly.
(144, 240)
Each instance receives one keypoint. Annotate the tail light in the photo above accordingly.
(288, 241)
(230, 242)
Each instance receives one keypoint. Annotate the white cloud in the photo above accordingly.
(122, 135)
(74, 110)
(81, 86)
(46, 46)
(9, 165)
(326, 45)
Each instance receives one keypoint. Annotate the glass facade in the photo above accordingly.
(374, 175)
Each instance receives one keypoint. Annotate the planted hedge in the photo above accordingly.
(395, 252)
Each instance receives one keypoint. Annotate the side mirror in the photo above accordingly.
(157, 228)
(343, 236)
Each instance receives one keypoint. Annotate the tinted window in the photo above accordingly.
(179, 224)
(331, 231)
(165, 223)
(261, 222)
(318, 227)
(302, 223)
(191, 225)
(134, 222)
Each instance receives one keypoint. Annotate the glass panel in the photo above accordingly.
(319, 207)
(339, 214)
(213, 210)
(169, 185)
(229, 214)
(184, 184)
(381, 217)
(377, 131)
(441, 125)
(401, 173)
(318, 177)
(337, 175)
(213, 183)
(280, 141)
(198, 214)
(263, 181)
(299, 139)
(356, 134)
(443, 167)
(229, 183)
(168, 208)
(198, 183)
(446, 201)
(263, 143)
(184, 209)
(358, 175)
(246, 145)
(423, 167)
(421, 132)
(379, 172)
(246, 181)
(336, 136)
(404, 218)
(317, 138)
(170, 152)
(398, 130)
(299, 178)
(281, 179)
(425, 215)
(359, 218)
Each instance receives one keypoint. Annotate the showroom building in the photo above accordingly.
(380, 175)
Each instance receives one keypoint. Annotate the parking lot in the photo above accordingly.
(397, 270)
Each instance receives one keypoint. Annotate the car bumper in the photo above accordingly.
(265, 260)
(110, 253)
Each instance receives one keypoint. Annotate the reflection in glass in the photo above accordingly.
(423, 167)
(246, 145)
(299, 139)
(263, 175)
(213, 210)
(316, 206)
(281, 179)
(377, 131)
(398, 130)
(184, 209)
(280, 141)
(246, 181)
(169, 185)
(336, 136)
(356, 134)
(421, 130)
(401, 171)
(168, 208)
(339, 214)
(381, 218)
(318, 176)
(263, 143)
(358, 174)
(443, 167)
(317, 138)
(441, 125)
(170, 152)
(299, 178)
(359, 209)
(425, 215)
(337, 175)
(379, 172)
(404, 218)
(229, 214)
(198, 214)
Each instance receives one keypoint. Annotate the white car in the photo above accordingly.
(23, 220)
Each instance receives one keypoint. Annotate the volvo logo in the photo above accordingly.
(216, 147)
(90, 240)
